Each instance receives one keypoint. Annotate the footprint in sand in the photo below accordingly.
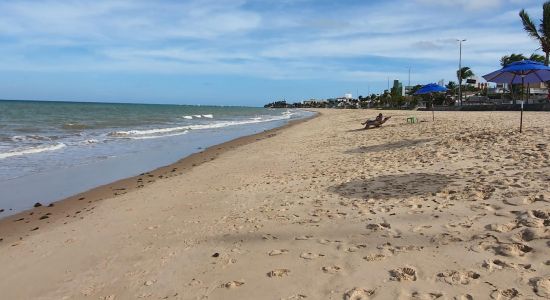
(495, 264)
(502, 227)
(355, 248)
(505, 294)
(456, 277)
(324, 242)
(269, 237)
(278, 273)
(403, 274)
(277, 252)
(375, 257)
(426, 296)
(513, 250)
(295, 297)
(529, 234)
(303, 237)
(194, 282)
(331, 269)
(233, 284)
(311, 255)
(380, 226)
(358, 294)
(541, 286)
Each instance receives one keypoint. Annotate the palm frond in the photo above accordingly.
(504, 60)
(544, 27)
(536, 57)
(528, 24)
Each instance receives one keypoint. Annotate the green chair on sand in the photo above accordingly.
(412, 120)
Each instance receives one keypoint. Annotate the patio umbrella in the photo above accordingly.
(520, 72)
(429, 89)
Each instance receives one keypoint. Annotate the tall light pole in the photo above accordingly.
(409, 76)
(459, 74)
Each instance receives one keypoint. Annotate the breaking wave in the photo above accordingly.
(178, 130)
(31, 150)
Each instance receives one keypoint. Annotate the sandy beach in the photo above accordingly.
(452, 209)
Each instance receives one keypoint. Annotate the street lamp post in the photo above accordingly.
(459, 74)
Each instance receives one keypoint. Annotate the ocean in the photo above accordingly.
(52, 150)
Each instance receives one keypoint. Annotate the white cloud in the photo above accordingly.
(467, 4)
(234, 37)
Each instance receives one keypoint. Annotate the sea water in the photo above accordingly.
(52, 150)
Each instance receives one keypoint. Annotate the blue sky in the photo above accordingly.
(231, 52)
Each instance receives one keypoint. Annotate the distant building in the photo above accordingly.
(348, 96)
(441, 82)
(397, 89)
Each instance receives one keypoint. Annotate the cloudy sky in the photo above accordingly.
(234, 52)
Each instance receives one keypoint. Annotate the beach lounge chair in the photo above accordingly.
(374, 123)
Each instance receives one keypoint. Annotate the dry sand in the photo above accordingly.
(452, 209)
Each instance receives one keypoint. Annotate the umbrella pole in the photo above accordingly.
(433, 104)
(521, 114)
(521, 118)
(528, 92)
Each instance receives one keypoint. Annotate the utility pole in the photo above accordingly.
(459, 74)
(409, 84)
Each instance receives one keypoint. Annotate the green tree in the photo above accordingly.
(537, 57)
(508, 59)
(414, 89)
(542, 33)
(464, 73)
(452, 86)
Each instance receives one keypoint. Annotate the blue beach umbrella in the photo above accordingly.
(520, 72)
(431, 88)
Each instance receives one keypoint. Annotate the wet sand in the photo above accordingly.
(452, 209)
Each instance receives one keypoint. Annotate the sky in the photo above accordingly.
(238, 52)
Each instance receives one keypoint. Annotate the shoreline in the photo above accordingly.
(20, 225)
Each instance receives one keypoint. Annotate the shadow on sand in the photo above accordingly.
(388, 146)
(393, 186)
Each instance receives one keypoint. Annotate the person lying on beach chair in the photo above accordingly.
(376, 122)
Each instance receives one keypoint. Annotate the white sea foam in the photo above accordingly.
(24, 138)
(90, 141)
(147, 132)
(208, 116)
(146, 137)
(31, 150)
(178, 130)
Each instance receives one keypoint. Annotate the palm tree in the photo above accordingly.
(536, 57)
(508, 59)
(451, 86)
(464, 73)
(542, 34)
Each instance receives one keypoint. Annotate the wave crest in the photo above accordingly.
(32, 150)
